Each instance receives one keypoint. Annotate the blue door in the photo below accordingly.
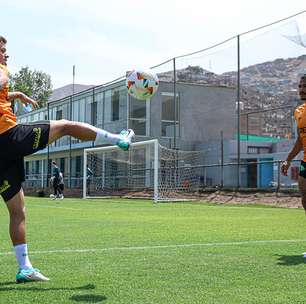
(265, 173)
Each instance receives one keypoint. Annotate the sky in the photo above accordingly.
(104, 39)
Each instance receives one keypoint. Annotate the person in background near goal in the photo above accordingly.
(20, 140)
(89, 175)
(300, 117)
(57, 182)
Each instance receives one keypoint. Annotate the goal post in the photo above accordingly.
(146, 170)
(100, 154)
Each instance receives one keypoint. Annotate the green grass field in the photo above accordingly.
(131, 251)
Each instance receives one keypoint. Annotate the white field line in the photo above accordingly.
(56, 207)
(101, 207)
(174, 246)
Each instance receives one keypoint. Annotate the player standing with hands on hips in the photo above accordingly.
(300, 143)
(20, 140)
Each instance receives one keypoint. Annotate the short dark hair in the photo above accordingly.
(303, 77)
(53, 163)
(3, 40)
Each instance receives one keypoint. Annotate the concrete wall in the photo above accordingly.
(204, 112)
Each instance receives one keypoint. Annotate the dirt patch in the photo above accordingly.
(280, 199)
(286, 200)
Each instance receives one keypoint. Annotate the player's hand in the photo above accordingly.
(34, 103)
(284, 167)
(29, 101)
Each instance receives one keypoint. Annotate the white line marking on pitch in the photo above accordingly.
(159, 247)
(56, 207)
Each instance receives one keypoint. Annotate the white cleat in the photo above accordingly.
(126, 139)
(30, 275)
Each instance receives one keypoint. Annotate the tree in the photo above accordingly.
(35, 84)
(196, 69)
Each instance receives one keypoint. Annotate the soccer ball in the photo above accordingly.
(141, 84)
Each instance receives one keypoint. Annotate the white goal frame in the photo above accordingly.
(114, 148)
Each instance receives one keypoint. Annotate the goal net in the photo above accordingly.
(147, 170)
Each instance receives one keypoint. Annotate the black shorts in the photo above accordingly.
(302, 169)
(15, 144)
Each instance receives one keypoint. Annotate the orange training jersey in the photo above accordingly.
(300, 117)
(7, 117)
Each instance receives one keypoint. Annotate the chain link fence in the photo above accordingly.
(251, 91)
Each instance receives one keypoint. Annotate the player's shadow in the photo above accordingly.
(90, 298)
(5, 286)
(291, 260)
(87, 298)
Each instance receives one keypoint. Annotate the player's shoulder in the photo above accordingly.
(4, 68)
(300, 109)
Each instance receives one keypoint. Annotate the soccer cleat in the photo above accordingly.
(30, 275)
(126, 139)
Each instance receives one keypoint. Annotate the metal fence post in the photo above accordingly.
(278, 175)
(238, 111)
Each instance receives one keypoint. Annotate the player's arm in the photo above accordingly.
(3, 79)
(23, 98)
(292, 154)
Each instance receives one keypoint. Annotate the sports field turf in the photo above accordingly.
(131, 251)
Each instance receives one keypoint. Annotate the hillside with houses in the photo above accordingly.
(264, 86)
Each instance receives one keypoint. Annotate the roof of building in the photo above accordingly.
(67, 90)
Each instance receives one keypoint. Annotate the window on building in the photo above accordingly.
(94, 114)
(62, 164)
(258, 150)
(78, 166)
(88, 109)
(59, 114)
(99, 109)
(107, 107)
(138, 115)
(168, 115)
(82, 114)
(75, 110)
(27, 170)
(115, 105)
(37, 166)
(65, 111)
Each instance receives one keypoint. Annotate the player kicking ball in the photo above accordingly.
(20, 140)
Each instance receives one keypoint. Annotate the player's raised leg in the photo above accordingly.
(84, 131)
(26, 272)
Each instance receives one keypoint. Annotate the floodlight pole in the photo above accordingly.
(238, 111)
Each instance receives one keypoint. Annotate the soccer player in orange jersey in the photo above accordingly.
(20, 140)
(300, 117)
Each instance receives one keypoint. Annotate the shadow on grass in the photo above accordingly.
(88, 298)
(291, 260)
(5, 286)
